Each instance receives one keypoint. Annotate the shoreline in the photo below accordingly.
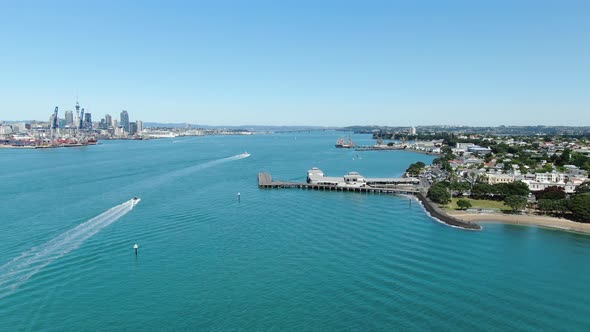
(442, 216)
(524, 219)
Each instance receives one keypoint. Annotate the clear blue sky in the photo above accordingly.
(300, 62)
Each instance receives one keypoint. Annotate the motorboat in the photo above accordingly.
(135, 200)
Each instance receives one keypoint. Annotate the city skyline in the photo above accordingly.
(328, 64)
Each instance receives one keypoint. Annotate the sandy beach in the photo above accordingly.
(523, 219)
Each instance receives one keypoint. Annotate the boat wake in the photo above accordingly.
(22, 268)
(16, 272)
(191, 169)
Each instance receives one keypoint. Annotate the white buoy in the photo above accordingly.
(135, 247)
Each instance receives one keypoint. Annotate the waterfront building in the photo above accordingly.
(413, 131)
(125, 120)
(115, 123)
(139, 126)
(69, 118)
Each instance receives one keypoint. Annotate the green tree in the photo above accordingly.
(552, 192)
(560, 206)
(463, 204)
(482, 190)
(515, 202)
(583, 188)
(580, 206)
(416, 168)
(438, 193)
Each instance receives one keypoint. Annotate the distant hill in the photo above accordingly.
(243, 127)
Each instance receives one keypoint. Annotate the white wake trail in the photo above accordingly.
(20, 269)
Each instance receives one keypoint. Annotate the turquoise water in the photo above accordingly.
(282, 259)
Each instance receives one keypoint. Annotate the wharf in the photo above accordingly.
(265, 181)
(379, 147)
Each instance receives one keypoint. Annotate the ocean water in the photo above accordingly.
(280, 259)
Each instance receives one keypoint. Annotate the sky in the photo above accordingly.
(324, 63)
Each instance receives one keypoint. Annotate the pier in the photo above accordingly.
(265, 181)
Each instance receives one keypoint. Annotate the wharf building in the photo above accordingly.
(355, 180)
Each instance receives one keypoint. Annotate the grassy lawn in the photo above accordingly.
(479, 204)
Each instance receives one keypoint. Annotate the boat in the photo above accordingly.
(135, 201)
(345, 143)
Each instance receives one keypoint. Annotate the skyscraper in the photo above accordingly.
(87, 121)
(139, 126)
(132, 128)
(108, 120)
(125, 120)
(81, 123)
(53, 121)
(69, 118)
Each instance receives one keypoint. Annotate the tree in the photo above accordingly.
(583, 188)
(560, 206)
(482, 190)
(552, 192)
(415, 169)
(515, 202)
(463, 204)
(438, 193)
(580, 206)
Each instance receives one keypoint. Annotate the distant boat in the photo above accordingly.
(245, 154)
(345, 143)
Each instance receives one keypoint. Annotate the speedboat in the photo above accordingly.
(135, 200)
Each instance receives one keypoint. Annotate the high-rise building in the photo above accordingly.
(125, 120)
(132, 128)
(139, 126)
(69, 118)
(87, 121)
(81, 123)
(115, 123)
(108, 120)
(53, 121)
(413, 131)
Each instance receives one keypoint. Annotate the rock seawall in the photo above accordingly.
(441, 215)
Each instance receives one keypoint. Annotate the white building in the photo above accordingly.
(500, 178)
